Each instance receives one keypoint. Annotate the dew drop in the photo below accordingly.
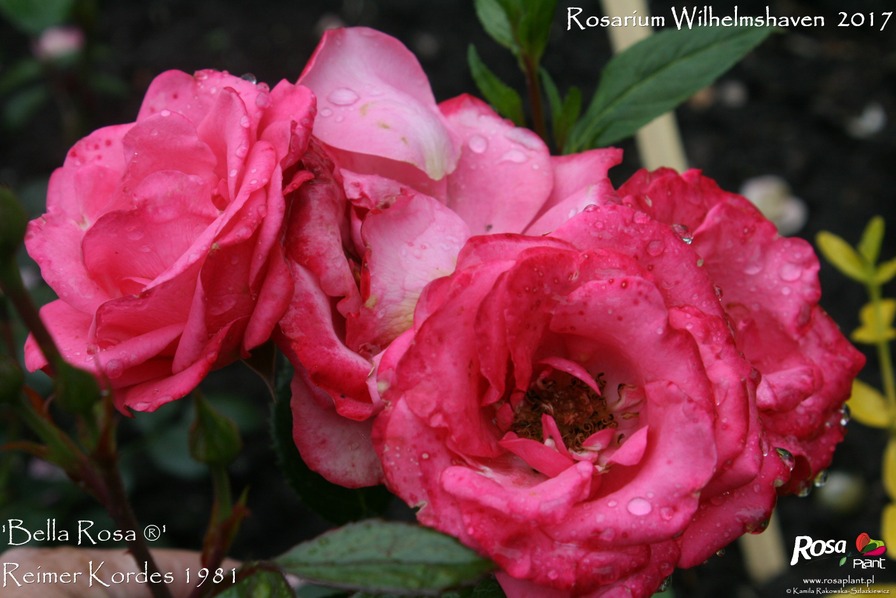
(821, 479)
(165, 113)
(787, 457)
(639, 506)
(612, 504)
(790, 272)
(845, 415)
(262, 100)
(655, 247)
(343, 96)
(244, 122)
(752, 269)
(516, 156)
(325, 112)
(720, 552)
(249, 77)
(478, 144)
(241, 151)
(114, 368)
(682, 231)
(233, 172)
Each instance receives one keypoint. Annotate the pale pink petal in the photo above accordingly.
(374, 98)
(408, 245)
(503, 177)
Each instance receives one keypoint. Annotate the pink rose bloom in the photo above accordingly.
(582, 408)
(401, 184)
(768, 286)
(162, 237)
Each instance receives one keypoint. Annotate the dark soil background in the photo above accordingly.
(789, 109)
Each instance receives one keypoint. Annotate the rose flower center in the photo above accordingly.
(578, 410)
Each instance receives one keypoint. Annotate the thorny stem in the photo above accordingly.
(98, 473)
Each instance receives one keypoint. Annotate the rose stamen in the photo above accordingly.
(578, 410)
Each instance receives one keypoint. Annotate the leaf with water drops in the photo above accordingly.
(868, 406)
(888, 467)
(876, 323)
(842, 256)
(383, 556)
(872, 238)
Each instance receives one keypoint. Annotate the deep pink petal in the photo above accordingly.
(335, 447)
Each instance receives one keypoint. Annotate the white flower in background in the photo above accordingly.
(773, 196)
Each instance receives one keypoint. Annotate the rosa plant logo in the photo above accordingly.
(867, 546)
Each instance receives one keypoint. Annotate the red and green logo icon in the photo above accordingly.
(869, 547)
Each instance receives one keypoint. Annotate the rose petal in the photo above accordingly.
(503, 177)
(374, 98)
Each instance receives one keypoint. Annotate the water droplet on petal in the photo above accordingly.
(325, 112)
(478, 144)
(244, 122)
(787, 457)
(165, 113)
(516, 156)
(249, 77)
(790, 272)
(114, 368)
(343, 96)
(683, 233)
(845, 415)
(752, 269)
(639, 506)
(720, 552)
(655, 247)
(821, 479)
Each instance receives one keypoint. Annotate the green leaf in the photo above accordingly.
(33, 16)
(22, 106)
(382, 556)
(885, 272)
(535, 26)
(214, 438)
(842, 256)
(494, 20)
(263, 584)
(655, 75)
(335, 503)
(501, 96)
(872, 238)
(872, 330)
(563, 112)
(868, 406)
(842, 560)
(21, 73)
